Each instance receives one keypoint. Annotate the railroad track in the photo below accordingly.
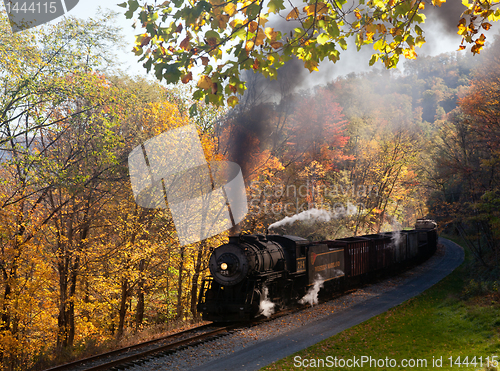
(142, 352)
(139, 353)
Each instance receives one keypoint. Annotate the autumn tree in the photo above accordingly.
(467, 155)
(34, 70)
(80, 154)
(227, 37)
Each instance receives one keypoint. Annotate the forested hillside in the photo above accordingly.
(82, 265)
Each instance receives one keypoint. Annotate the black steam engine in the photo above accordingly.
(251, 268)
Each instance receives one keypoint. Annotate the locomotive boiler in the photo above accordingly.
(250, 269)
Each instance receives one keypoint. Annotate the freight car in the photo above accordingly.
(280, 269)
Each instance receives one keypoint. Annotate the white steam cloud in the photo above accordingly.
(396, 231)
(266, 307)
(317, 215)
(312, 294)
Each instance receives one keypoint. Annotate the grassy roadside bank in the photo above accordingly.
(438, 324)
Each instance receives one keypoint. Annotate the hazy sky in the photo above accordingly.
(90, 8)
(440, 33)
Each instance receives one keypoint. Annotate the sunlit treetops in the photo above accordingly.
(222, 38)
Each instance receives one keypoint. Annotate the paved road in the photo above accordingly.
(266, 352)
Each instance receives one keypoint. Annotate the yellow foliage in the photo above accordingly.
(252, 26)
(232, 101)
(204, 82)
(294, 14)
(381, 28)
(311, 65)
(259, 39)
(270, 33)
(249, 45)
(262, 20)
(438, 2)
(410, 53)
(316, 9)
(230, 9)
(236, 22)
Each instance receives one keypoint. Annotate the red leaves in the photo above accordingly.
(205, 83)
(145, 41)
(187, 78)
(319, 126)
(256, 64)
(185, 43)
(294, 14)
(479, 43)
(486, 25)
(212, 41)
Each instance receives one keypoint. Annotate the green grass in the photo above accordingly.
(437, 323)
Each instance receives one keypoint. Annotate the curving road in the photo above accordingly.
(266, 352)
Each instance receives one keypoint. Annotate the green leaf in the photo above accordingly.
(193, 110)
(147, 64)
(333, 29)
(373, 59)
(419, 41)
(275, 6)
(343, 44)
(133, 5)
(420, 18)
(403, 8)
(212, 35)
(253, 10)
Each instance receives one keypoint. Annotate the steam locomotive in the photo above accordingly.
(280, 269)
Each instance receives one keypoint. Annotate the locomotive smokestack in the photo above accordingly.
(234, 239)
(235, 230)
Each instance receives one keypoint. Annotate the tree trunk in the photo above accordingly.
(194, 287)
(180, 311)
(139, 316)
(68, 278)
(123, 308)
(5, 310)
(71, 302)
(61, 318)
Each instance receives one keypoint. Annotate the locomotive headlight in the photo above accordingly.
(225, 268)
